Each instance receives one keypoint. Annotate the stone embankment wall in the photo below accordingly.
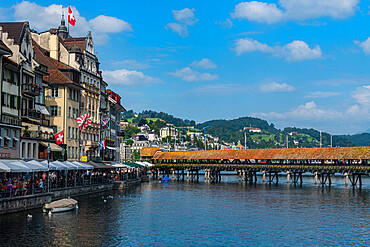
(15, 204)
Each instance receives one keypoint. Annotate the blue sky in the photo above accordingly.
(294, 63)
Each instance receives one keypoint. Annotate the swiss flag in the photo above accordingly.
(71, 18)
(59, 137)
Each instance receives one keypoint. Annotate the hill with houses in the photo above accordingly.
(166, 131)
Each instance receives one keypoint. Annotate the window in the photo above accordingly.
(69, 133)
(54, 110)
(73, 133)
(69, 112)
(54, 92)
(76, 133)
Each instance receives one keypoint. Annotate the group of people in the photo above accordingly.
(21, 186)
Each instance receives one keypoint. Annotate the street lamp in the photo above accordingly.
(49, 151)
(63, 152)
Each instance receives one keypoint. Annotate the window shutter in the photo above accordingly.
(60, 91)
(11, 138)
(3, 136)
(18, 102)
(59, 111)
(16, 136)
(47, 92)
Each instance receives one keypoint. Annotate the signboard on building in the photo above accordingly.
(84, 158)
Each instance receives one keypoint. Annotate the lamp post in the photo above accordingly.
(49, 151)
(63, 152)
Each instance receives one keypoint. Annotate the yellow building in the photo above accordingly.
(62, 99)
(169, 130)
(78, 53)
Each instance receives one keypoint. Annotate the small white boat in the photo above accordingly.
(62, 205)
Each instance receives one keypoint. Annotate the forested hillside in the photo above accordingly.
(233, 131)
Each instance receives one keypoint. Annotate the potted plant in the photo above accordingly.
(26, 132)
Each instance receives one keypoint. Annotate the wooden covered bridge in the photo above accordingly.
(354, 162)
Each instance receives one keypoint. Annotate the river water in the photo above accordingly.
(182, 213)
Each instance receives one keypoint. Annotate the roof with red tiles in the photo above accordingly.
(14, 30)
(149, 151)
(79, 42)
(54, 66)
(271, 154)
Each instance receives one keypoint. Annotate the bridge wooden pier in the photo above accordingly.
(324, 163)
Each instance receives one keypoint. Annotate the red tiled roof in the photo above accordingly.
(14, 30)
(271, 154)
(79, 42)
(54, 66)
(149, 151)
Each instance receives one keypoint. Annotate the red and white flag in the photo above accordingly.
(84, 121)
(59, 137)
(71, 17)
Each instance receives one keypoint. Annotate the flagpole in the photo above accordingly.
(68, 19)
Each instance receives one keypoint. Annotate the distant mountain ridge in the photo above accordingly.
(270, 137)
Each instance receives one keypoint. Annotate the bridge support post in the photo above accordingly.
(173, 173)
(346, 183)
(356, 180)
(187, 173)
(158, 173)
(240, 175)
(263, 176)
(315, 178)
(287, 176)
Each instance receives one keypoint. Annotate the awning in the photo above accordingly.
(111, 148)
(42, 109)
(53, 146)
(135, 165)
(121, 166)
(52, 166)
(100, 165)
(83, 166)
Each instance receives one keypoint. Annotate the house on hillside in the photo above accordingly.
(253, 130)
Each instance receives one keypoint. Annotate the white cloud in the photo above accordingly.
(365, 45)
(43, 18)
(319, 94)
(127, 77)
(294, 51)
(109, 24)
(205, 63)
(362, 95)
(294, 10)
(299, 50)
(185, 16)
(188, 74)
(250, 45)
(180, 29)
(257, 11)
(308, 111)
(274, 87)
(225, 24)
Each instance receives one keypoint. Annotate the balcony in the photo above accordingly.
(31, 89)
(33, 114)
(44, 136)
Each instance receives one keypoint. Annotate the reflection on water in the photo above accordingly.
(179, 213)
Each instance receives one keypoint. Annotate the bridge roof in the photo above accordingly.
(338, 153)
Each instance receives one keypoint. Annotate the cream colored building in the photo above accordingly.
(78, 53)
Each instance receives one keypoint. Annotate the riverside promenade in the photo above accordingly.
(27, 185)
(324, 163)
